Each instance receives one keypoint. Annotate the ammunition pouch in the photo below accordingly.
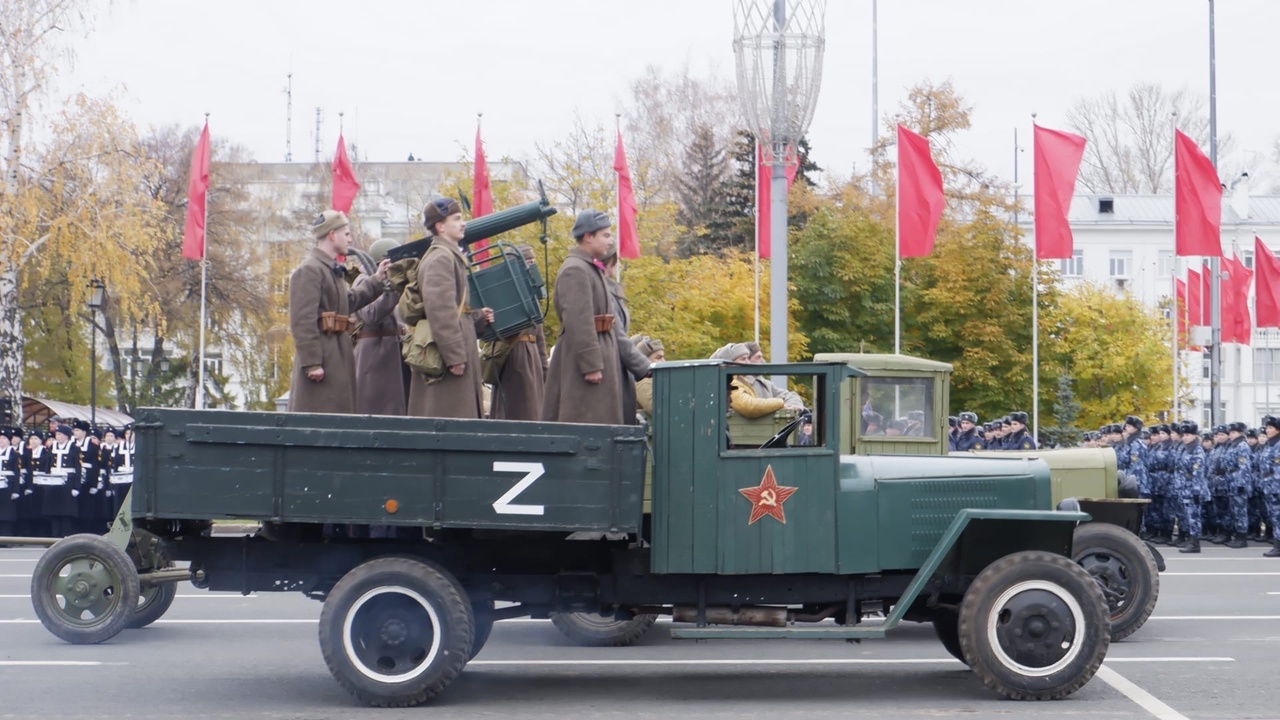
(604, 323)
(331, 323)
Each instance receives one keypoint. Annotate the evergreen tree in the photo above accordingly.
(1064, 432)
(739, 191)
(699, 194)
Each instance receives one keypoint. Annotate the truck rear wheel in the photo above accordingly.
(1034, 626)
(153, 602)
(593, 630)
(1124, 569)
(396, 631)
(84, 589)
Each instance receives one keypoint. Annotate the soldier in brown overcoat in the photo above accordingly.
(442, 279)
(582, 380)
(635, 366)
(380, 376)
(320, 305)
(521, 387)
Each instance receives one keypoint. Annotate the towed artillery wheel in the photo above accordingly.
(592, 630)
(1124, 569)
(153, 602)
(1034, 626)
(84, 589)
(946, 623)
(396, 631)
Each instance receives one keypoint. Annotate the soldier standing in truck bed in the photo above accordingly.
(582, 381)
(442, 280)
(635, 366)
(320, 307)
(522, 377)
(380, 375)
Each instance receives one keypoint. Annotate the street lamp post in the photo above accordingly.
(778, 47)
(97, 293)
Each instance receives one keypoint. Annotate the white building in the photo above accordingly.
(1126, 242)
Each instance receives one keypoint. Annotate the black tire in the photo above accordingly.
(153, 602)
(946, 624)
(84, 589)
(1041, 597)
(483, 614)
(396, 631)
(1124, 569)
(593, 630)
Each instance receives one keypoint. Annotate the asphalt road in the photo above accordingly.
(1212, 650)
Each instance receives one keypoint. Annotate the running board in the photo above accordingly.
(770, 633)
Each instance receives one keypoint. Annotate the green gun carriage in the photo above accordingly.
(497, 519)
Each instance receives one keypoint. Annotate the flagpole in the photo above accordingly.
(1215, 266)
(1035, 296)
(1176, 315)
(755, 260)
(204, 284)
(897, 261)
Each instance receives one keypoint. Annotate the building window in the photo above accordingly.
(1247, 257)
(1205, 367)
(1072, 266)
(1266, 365)
(1121, 263)
(1164, 266)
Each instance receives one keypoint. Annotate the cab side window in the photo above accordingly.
(760, 414)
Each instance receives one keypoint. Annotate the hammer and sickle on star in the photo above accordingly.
(769, 498)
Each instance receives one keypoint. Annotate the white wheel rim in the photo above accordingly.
(353, 657)
(1077, 615)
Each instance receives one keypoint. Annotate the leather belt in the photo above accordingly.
(522, 337)
(378, 334)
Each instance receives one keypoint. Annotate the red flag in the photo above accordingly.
(1180, 303)
(345, 185)
(1267, 306)
(764, 195)
(628, 240)
(1194, 313)
(482, 203)
(1197, 204)
(1057, 156)
(920, 198)
(197, 198)
(1241, 277)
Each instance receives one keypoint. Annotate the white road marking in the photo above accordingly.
(196, 596)
(22, 621)
(1215, 574)
(800, 661)
(25, 560)
(1142, 698)
(1273, 593)
(48, 663)
(1215, 617)
(26, 577)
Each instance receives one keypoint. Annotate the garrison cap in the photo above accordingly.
(589, 221)
(1133, 421)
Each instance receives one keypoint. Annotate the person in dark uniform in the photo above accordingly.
(61, 483)
(1160, 476)
(107, 463)
(1257, 504)
(1018, 439)
(121, 479)
(968, 438)
(1192, 487)
(18, 442)
(10, 484)
(1216, 511)
(1269, 476)
(1239, 467)
(1131, 462)
(35, 458)
(953, 430)
(90, 501)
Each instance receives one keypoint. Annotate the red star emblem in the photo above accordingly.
(767, 498)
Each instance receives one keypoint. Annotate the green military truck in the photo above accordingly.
(902, 386)
(499, 519)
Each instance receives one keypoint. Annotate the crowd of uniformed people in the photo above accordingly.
(69, 479)
(1006, 433)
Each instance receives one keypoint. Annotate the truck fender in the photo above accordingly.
(1155, 554)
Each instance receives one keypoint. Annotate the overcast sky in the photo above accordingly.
(411, 75)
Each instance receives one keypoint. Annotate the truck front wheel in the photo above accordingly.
(396, 631)
(1034, 626)
(1124, 569)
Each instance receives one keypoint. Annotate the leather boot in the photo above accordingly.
(1182, 540)
(1192, 546)
(1274, 551)
(1217, 539)
(1164, 538)
(1237, 542)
